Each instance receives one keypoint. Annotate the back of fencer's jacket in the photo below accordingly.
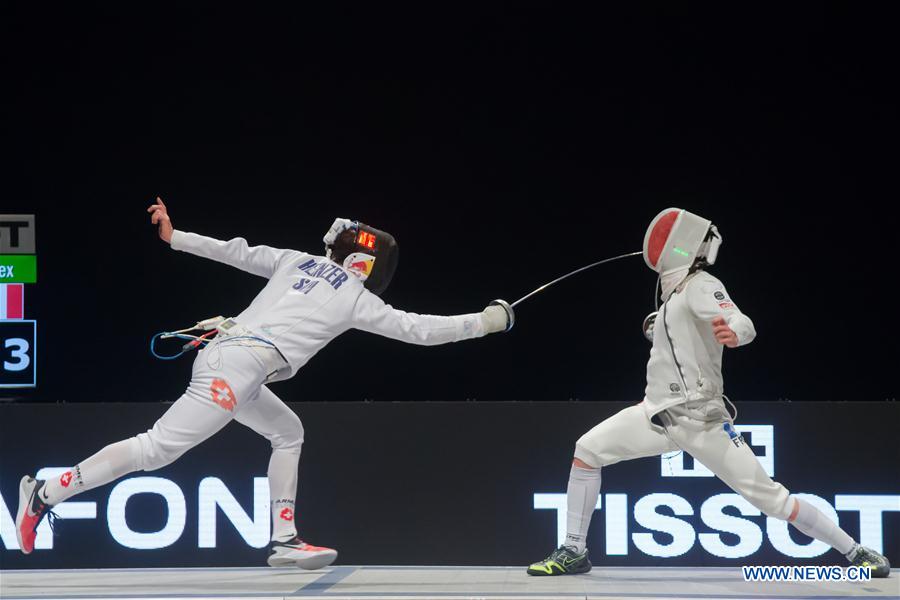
(686, 359)
(309, 300)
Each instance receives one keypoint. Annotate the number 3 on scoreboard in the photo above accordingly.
(20, 354)
(17, 353)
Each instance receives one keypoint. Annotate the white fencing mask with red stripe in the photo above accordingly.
(675, 241)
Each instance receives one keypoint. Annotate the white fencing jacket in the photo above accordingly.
(310, 300)
(686, 360)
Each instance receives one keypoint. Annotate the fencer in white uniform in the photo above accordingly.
(307, 301)
(684, 403)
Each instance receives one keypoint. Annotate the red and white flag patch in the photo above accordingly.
(12, 301)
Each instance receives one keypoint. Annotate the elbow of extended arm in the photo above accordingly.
(745, 330)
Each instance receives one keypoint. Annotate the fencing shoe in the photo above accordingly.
(861, 556)
(297, 553)
(563, 561)
(31, 510)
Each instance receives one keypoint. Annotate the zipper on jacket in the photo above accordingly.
(684, 389)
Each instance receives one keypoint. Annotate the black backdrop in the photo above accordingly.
(442, 483)
(502, 145)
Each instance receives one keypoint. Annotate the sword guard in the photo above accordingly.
(510, 313)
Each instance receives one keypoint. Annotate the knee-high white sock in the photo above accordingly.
(109, 464)
(581, 495)
(810, 520)
(283, 490)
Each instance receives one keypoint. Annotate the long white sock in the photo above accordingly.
(109, 464)
(810, 520)
(581, 495)
(283, 490)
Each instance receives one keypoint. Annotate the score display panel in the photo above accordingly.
(18, 271)
(18, 349)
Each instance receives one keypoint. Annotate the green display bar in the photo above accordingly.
(18, 268)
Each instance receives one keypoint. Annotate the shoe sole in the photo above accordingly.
(537, 573)
(24, 499)
(312, 563)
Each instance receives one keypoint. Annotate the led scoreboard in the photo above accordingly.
(18, 269)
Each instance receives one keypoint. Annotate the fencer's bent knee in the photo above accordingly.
(289, 435)
(577, 462)
(585, 455)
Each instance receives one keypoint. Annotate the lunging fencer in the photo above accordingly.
(683, 407)
(307, 302)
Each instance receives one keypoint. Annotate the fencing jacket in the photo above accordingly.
(686, 360)
(310, 300)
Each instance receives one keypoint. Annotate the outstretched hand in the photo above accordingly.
(498, 316)
(160, 217)
(724, 334)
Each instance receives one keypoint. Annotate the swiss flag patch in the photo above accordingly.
(221, 394)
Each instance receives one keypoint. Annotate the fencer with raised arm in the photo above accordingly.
(307, 301)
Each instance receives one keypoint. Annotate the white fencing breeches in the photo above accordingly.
(226, 383)
(629, 434)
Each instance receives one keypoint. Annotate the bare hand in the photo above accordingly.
(160, 216)
(724, 334)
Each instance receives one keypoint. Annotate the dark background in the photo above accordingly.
(447, 483)
(502, 145)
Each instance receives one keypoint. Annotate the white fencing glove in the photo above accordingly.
(337, 228)
(649, 324)
(498, 316)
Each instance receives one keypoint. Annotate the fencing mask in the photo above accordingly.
(368, 253)
(675, 241)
